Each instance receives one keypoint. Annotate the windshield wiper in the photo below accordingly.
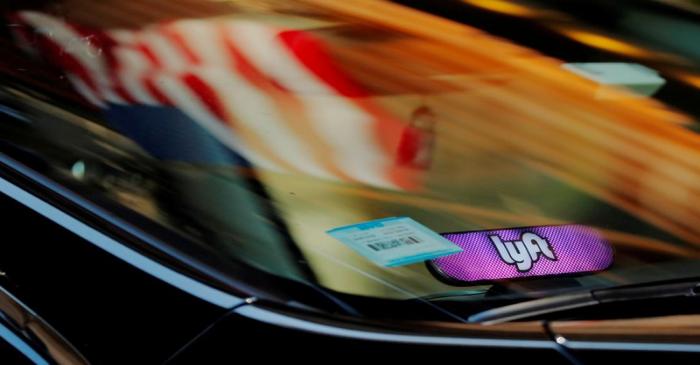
(564, 302)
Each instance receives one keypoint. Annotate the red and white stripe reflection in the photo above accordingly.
(274, 95)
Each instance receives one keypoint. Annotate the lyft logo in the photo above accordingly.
(525, 252)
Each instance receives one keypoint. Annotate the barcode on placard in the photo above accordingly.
(398, 242)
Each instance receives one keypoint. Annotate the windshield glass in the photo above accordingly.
(254, 127)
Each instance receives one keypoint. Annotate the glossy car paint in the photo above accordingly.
(129, 302)
(100, 303)
(121, 290)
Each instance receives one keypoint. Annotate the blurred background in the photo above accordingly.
(252, 127)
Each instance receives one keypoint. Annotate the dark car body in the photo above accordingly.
(85, 279)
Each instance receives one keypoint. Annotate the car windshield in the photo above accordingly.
(254, 127)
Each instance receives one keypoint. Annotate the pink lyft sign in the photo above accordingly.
(524, 252)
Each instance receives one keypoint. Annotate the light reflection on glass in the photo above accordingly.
(349, 113)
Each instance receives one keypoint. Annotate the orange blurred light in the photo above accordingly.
(503, 7)
(689, 78)
(606, 43)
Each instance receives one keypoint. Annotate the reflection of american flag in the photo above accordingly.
(271, 94)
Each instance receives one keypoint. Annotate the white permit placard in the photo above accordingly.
(394, 241)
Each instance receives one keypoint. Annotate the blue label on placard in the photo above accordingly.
(394, 241)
